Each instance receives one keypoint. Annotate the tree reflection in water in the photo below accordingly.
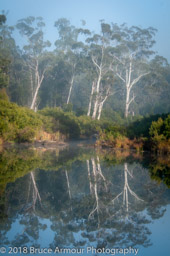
(85, 203)
(35, 193)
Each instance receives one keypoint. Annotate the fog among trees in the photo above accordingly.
(108, 75)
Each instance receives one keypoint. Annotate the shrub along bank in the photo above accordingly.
(148, 135)
(20, 124)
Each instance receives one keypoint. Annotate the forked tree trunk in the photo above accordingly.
(38, 82)
(126, 190)
(128, 81)
(101, 106)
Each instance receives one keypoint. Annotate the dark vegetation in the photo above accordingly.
(149, 133)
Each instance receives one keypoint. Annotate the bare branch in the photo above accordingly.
(132, 99)
(117, 197)
(121, 77)
(95, 63)
(138, 78)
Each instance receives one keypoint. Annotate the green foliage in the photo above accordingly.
(88, 127)
(166, 131)
(141, 127)
(160, 128)
(156, 128)
(116, 131)
(71, 125)
(159, 132)
(4, 78)
(65, 122)
(3, 95)
(160, 170)
(17, 123)
(156, 135)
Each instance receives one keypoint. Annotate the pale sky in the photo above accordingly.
(142, 13)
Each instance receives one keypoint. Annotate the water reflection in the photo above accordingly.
(77, 197)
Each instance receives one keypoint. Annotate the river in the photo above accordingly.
(78, 200)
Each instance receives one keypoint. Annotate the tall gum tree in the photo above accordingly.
(98, 52)
(130, 57)
(71, 48)
(7, 47)
(32, 29)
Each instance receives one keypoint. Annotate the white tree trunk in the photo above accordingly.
(102, 101)
(95, 109)
(127, 102)
(101, 106)
(38, 82)
(31, 82)
(96, 103)
(128, 81)
(70, 89)
(91, 98)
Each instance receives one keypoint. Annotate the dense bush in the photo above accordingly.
(160, 135)
(71, 125)
(65, 122)
(140, 128)
(156, 135)
(17, 123)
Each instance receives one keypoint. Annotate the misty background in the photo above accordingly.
(58, 63)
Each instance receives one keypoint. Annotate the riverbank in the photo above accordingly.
(137, 144)
(143, 135)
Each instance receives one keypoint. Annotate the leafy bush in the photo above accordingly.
(141, 127)
(71, 125)
(17, 123)
(160, 128)
(65, 122)
(160, 135)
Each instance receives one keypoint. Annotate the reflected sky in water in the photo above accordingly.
(77, 197)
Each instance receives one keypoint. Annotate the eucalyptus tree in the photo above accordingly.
(70, 47)
(7, 44)
(99, 45)
(154, 91)
(34, 50)
(130, 57)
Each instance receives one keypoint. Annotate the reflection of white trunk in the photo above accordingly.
(94, 188)
(100, 172)
(68, 184)
(126, 189)
(35, 193)
(89, 176)
(96, 208)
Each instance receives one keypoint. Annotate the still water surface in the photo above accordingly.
(83, 201)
